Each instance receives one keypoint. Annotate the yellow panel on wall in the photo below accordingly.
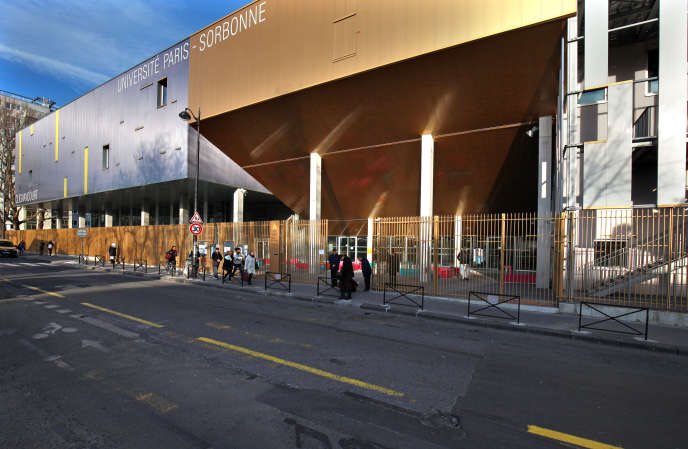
(57, 134)
(19, 162)
(85, 170)
(64, 187)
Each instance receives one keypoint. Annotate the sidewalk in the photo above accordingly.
(532, 319)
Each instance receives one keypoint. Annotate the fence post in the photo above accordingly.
(670, 257)
(502, 251)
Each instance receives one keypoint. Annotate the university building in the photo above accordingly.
(360, 110)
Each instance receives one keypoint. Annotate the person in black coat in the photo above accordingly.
(333, 260)
(347, 282)
(367, 272)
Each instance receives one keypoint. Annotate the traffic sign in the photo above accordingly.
(195, 228)
(196, 218)
(82, 232)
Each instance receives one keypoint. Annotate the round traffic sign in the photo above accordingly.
(196, 228)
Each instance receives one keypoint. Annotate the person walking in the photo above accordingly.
(216, 258)
(112, 252)
(238, 262)
(347, 281)
(227, 265)
(21, 247)
(393, 266)
(250, 265)
(50, 247)
(171, 257)
(462, 257)
(367, 271)
(333, 260)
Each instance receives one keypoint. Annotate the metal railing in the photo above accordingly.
(495, 302)
(621, 326)
(406, 292)
(276, 281)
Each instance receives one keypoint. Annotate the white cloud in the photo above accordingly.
(43, 64)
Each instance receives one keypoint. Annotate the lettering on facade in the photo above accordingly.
(153, 67)
(31, 195)
(249, 17)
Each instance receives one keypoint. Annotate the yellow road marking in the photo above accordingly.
(571, 439)
(45, 292)
(122, 315)
(302, 367)
(156, 402)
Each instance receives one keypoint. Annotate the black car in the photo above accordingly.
(7, 249)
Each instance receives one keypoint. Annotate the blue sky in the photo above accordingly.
(63, 49)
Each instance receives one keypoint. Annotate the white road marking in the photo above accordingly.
(94, 344)
(69, 330)
(108, 327)
(40, 303)
(63, 311)
(51, 306)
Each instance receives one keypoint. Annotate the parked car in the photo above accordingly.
(7, 249)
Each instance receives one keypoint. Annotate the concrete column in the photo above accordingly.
(571, 177)
(597, 43)
(371, 236)
(82, 221)
(70, 218)
(544, 226)
(315, 199)
(673, 95)
(458, 232)
(427, 168)
(183, 211)
(48, 218)
(427, 165)
(58, 219)
(108, 219)
(238, 205)
(22, 216)
(145, 216)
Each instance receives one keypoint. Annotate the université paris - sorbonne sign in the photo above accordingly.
(230, 27)
(31, 195)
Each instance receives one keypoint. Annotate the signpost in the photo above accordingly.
(82, 233)
(195, 228)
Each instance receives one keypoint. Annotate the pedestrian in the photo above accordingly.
(367, 271)
(216, 258)
(50, 248)
(393, 267)
(41, 247)
(227, 265)
(171, 257)
(346, 284)
(21, 247)
(462, 257)
(238, 262)
(250, 265)
(333, 260)
(112, 252)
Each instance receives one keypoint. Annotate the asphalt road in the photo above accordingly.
(100, 360)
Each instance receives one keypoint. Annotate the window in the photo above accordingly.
(592, 96)
(162, 92)
(653, 71)
(106, 157)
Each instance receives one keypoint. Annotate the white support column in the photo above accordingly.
(427, 166)
(145, 216)
(458, 232)
(58, 219)
(22, 216)
(108, 219)
(571, 177)
(544, 202)
(183, 211)
(369, 242)
(596, 43)
(82, 221)
(48, 217)
(238, 205)
(314, 211)
(673, 95)
(427, 169)
(70, 218)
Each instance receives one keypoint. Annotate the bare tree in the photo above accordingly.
(12, 119)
